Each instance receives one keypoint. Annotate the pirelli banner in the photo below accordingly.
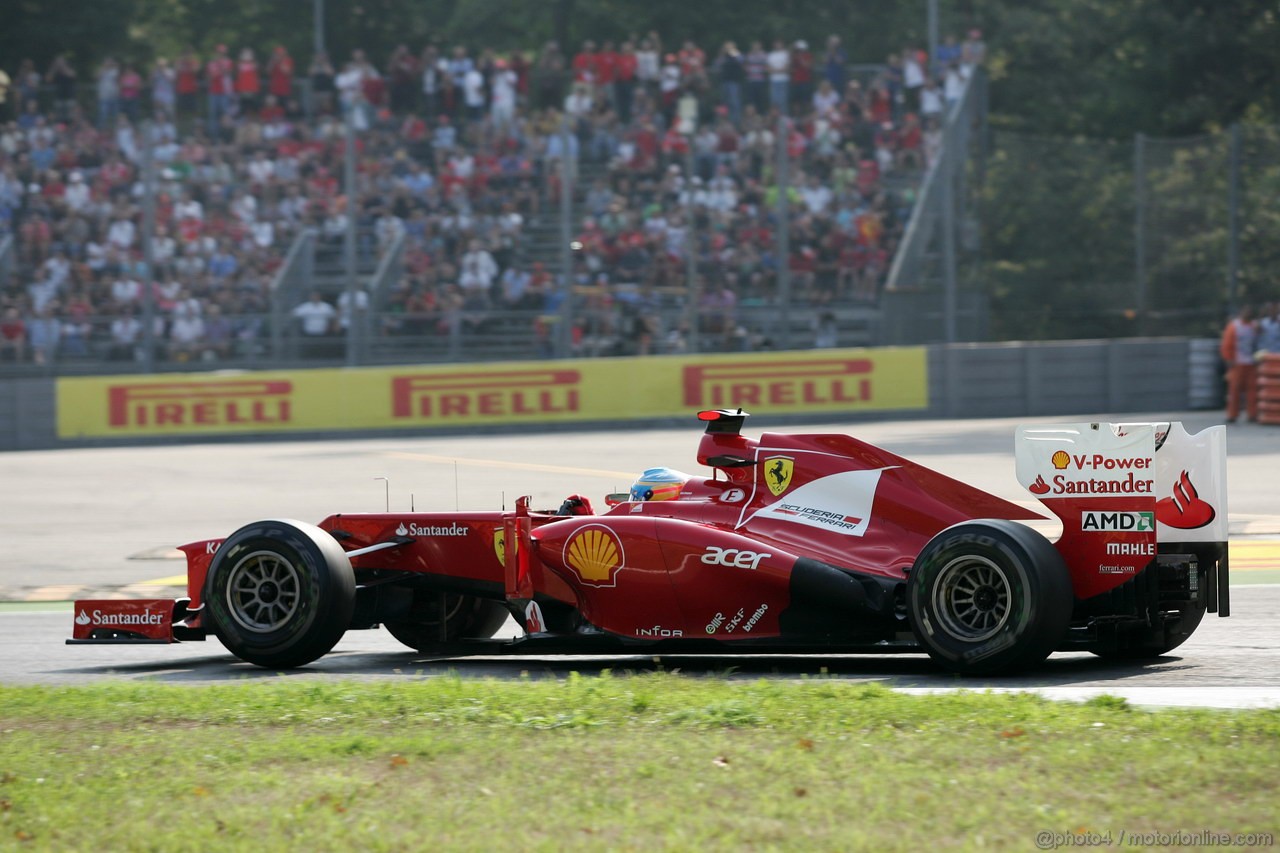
(509, 393)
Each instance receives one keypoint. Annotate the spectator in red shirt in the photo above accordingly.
(402, 72)
(584, 64)
(624, 82)
(131, 92)
(868, 177)
(373, 87)
(13, 336)
(850, 259)
(693, 65)
(804, 270)
(218, 83)
(880, 103)
(519, 63)
(271, 110)
(647, 147)
(248, 81)
(801, 76)
(187, 83)
(606, 71)
(675, 145)
(910, 143)
(727, 141)
(280, 69)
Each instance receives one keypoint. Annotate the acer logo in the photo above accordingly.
(732, 557)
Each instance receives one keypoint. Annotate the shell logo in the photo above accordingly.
(595, 554)
(1060, 459)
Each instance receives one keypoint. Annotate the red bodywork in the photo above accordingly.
(718, 562)
(793, 541)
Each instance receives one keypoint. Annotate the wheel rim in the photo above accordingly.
(972, 598)
(264, 592)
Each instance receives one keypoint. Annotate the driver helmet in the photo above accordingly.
(658, 484)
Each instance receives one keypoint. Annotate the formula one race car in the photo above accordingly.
(794, 543)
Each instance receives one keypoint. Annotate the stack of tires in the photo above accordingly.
(1269, 389)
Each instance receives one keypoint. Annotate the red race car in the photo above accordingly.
(794, 543)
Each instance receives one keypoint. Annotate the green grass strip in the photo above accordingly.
(613, 762)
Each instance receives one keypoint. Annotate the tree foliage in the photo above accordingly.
(1104, 69)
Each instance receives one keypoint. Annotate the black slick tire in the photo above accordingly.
(989, 596)
(280, 593)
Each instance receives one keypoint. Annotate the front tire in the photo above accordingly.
(989, 596)
(280, 593)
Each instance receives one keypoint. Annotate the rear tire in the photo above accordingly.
(465, 617)
(989, 596)
(280, 593)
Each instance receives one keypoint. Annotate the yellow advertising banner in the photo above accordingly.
(850, 380)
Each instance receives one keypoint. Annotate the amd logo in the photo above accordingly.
(1126, 522)
(732, 557)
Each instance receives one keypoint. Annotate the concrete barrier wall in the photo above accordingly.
(1137, 376)
(28, 412)
(1068, 377)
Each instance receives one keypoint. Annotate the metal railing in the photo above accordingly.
(387, 274)
(7, 258)
(293, 277)
(927, 257)
(390, 268)
(66, 345)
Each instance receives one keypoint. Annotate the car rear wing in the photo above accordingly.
(1183, 475)
(1126, 492)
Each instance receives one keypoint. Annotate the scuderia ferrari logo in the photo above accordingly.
(777, 473)
(1123, 522)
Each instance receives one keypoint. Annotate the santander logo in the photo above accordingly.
(1184, 510)
(146, 617)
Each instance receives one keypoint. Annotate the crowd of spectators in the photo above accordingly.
(458, 151)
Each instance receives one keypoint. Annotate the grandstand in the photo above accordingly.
(452, 208)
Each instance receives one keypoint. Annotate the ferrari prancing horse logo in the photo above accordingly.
(777, 473)
(500, 544)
